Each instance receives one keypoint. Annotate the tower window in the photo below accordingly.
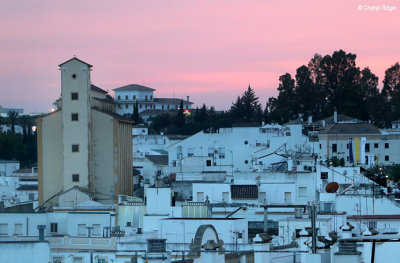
(74, 76)
(145, 98)
(126, 106)
(74, 95)
(119, 97)
(134, 97)
(387, 145)
(74, 117)
(126, 97)
(75, 178)
(75, 148)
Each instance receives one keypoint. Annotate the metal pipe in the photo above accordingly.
(314, 230)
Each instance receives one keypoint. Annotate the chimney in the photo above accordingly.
(187, 98)
(41, 229)
(334, 115)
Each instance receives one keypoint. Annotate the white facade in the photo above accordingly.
(127, 96)
(238, 149)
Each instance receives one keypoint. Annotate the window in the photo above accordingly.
(302, 191)
(367, 147)
(168, 106)
(119, 106)
(320, 146)
(77, 260)
(372, 224)
(179, 154)
(31, 197)
(126, 106)
(75, 178)
(151, 97)
(74, 117)
(190, 152)
(134, 97)
(53, 227)
(96, 230)
(246, 161)
(82, 230)
(386, 145)
(347, 146)
(74, 95)
(126, 97)
(225, 196)
(210, 152)
(18, 229)
(140, 106)
(221, 153)
(246, 142)
(208, 162)
(3, 229)
(324, 175)
(162, 106)
(387, 158)
(200, 196)
(119, 97)
(334, 147)
(101, 260)
(75, 148)
(57, 259)
(376, 145)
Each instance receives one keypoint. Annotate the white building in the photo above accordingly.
(127, 96)
(238, 149)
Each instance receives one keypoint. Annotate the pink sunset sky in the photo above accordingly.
(210, 50)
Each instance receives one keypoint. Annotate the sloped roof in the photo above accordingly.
(23, 171)
(350, 128)
(95, 88)
(340, 118)
(134, 87)
(28, 187)
(75, 58)
(158, 159)
(244, 191)
(171, 100)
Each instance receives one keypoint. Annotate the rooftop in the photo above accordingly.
(158, 159)
(134, 87)
(95, 88)
(350, 128)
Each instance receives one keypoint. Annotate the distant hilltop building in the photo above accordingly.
(84, 148)
(127, 96)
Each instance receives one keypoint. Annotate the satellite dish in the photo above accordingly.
(332, 187)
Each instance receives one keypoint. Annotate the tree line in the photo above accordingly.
(326, 83)
(16, 146)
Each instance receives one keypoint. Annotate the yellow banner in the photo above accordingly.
(357, 150)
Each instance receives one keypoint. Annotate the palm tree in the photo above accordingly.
(12, 119)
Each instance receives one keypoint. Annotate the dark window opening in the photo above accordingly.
(208, 162)
(74, 117)
(367, 147)
(75, 148)
(75, 178)
(334, 148)
(74, 95)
